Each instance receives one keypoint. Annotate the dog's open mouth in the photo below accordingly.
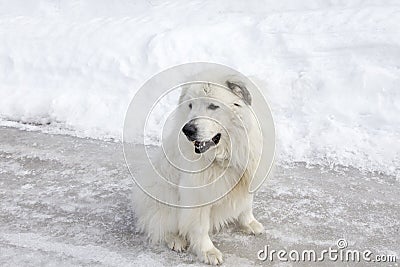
(203, 146)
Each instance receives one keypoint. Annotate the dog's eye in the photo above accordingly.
(236, 104)
(212, 106)
(190, 105)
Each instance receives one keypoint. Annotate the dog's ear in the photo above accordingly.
(240, 90)
(184, 89)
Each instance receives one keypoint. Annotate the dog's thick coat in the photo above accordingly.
(234, 159)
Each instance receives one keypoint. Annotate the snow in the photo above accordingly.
(329, 69)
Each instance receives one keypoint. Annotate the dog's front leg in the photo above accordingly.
(246, 219)
(196, 224)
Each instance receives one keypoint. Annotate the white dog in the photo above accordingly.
(220, 146)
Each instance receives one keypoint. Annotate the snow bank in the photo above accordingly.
(330, 69)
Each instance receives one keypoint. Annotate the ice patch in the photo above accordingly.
(89, 254)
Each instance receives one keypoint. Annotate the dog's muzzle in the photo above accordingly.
(190, 130)
(203, 146)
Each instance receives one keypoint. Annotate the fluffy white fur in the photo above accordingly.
(235, 158)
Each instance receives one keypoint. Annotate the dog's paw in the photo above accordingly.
(213, 256)
(177, 243)
(253, 228)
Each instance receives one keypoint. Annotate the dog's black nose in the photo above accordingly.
(190, 131)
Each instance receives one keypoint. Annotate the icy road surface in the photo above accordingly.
(66, 201)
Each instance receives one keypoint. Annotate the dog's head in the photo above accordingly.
(216, 116)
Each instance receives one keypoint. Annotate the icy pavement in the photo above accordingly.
(66, 201)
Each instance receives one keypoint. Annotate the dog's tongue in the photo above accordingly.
(202, 146)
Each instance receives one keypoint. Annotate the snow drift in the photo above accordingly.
(329, 69)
